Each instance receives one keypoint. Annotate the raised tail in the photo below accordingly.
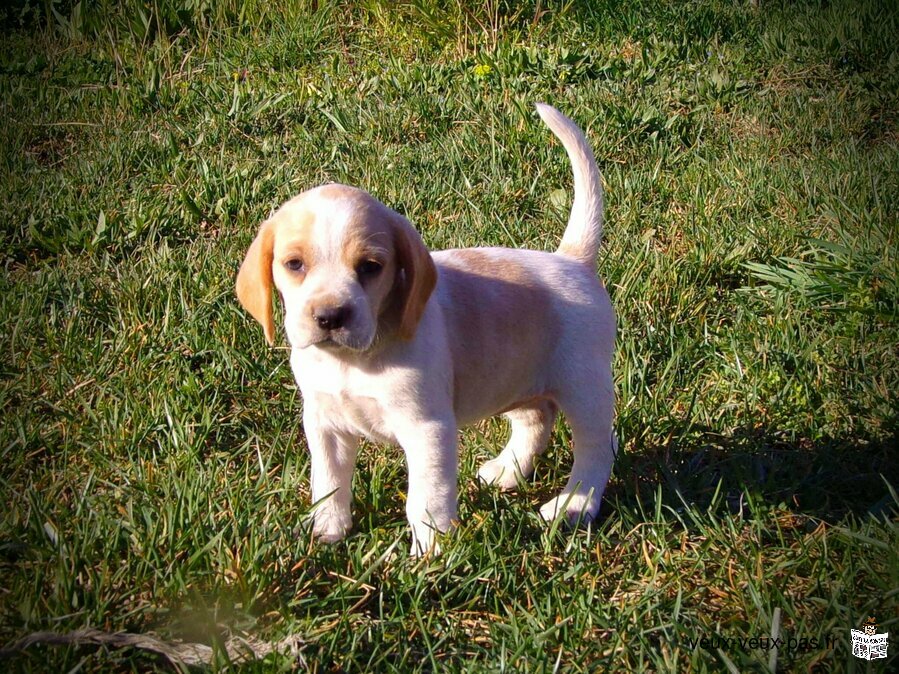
(584, 231)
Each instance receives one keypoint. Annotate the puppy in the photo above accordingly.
(399, 345)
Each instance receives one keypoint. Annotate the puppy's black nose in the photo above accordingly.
(331, 318)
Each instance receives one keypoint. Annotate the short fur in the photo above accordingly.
(396, 344)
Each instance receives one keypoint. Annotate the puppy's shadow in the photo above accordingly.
(824, 480)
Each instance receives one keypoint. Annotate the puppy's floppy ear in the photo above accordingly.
(419, 275)
(254, 280)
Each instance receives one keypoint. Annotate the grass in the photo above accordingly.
(154, 469)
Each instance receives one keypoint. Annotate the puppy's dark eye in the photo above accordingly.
(369, 269)
(294, 264)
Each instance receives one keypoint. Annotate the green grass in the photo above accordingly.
(154, 467)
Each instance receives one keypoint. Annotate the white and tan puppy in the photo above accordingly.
(399, 345)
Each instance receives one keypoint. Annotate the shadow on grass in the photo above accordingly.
(827, 480)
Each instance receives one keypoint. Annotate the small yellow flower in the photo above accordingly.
(482, 70)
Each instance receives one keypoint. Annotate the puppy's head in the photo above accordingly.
(346, 266)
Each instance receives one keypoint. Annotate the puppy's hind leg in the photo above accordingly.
(531, 428)
(589, 411)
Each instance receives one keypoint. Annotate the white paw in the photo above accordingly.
(424, 542)
(495, 472)
(329, 526)
(574, 508)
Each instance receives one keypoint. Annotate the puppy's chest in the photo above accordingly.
(353, 413)
(345, 398)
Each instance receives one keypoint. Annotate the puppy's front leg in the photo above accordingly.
(333, 458)
(431, 449)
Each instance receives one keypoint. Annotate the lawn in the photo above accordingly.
(154, 470)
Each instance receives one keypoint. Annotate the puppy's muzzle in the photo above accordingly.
(341, 325)
(332, 318)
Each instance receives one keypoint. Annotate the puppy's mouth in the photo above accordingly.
(343, 328)
(340, 340)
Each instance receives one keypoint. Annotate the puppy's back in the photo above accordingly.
(507, 314)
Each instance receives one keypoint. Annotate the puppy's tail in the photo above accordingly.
(584, 231)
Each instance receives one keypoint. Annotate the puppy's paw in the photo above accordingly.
(497, 473)
(417, 551)
(329, 526)
(424, 542)
(573, 508)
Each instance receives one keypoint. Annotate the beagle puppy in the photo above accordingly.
(399, 345)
